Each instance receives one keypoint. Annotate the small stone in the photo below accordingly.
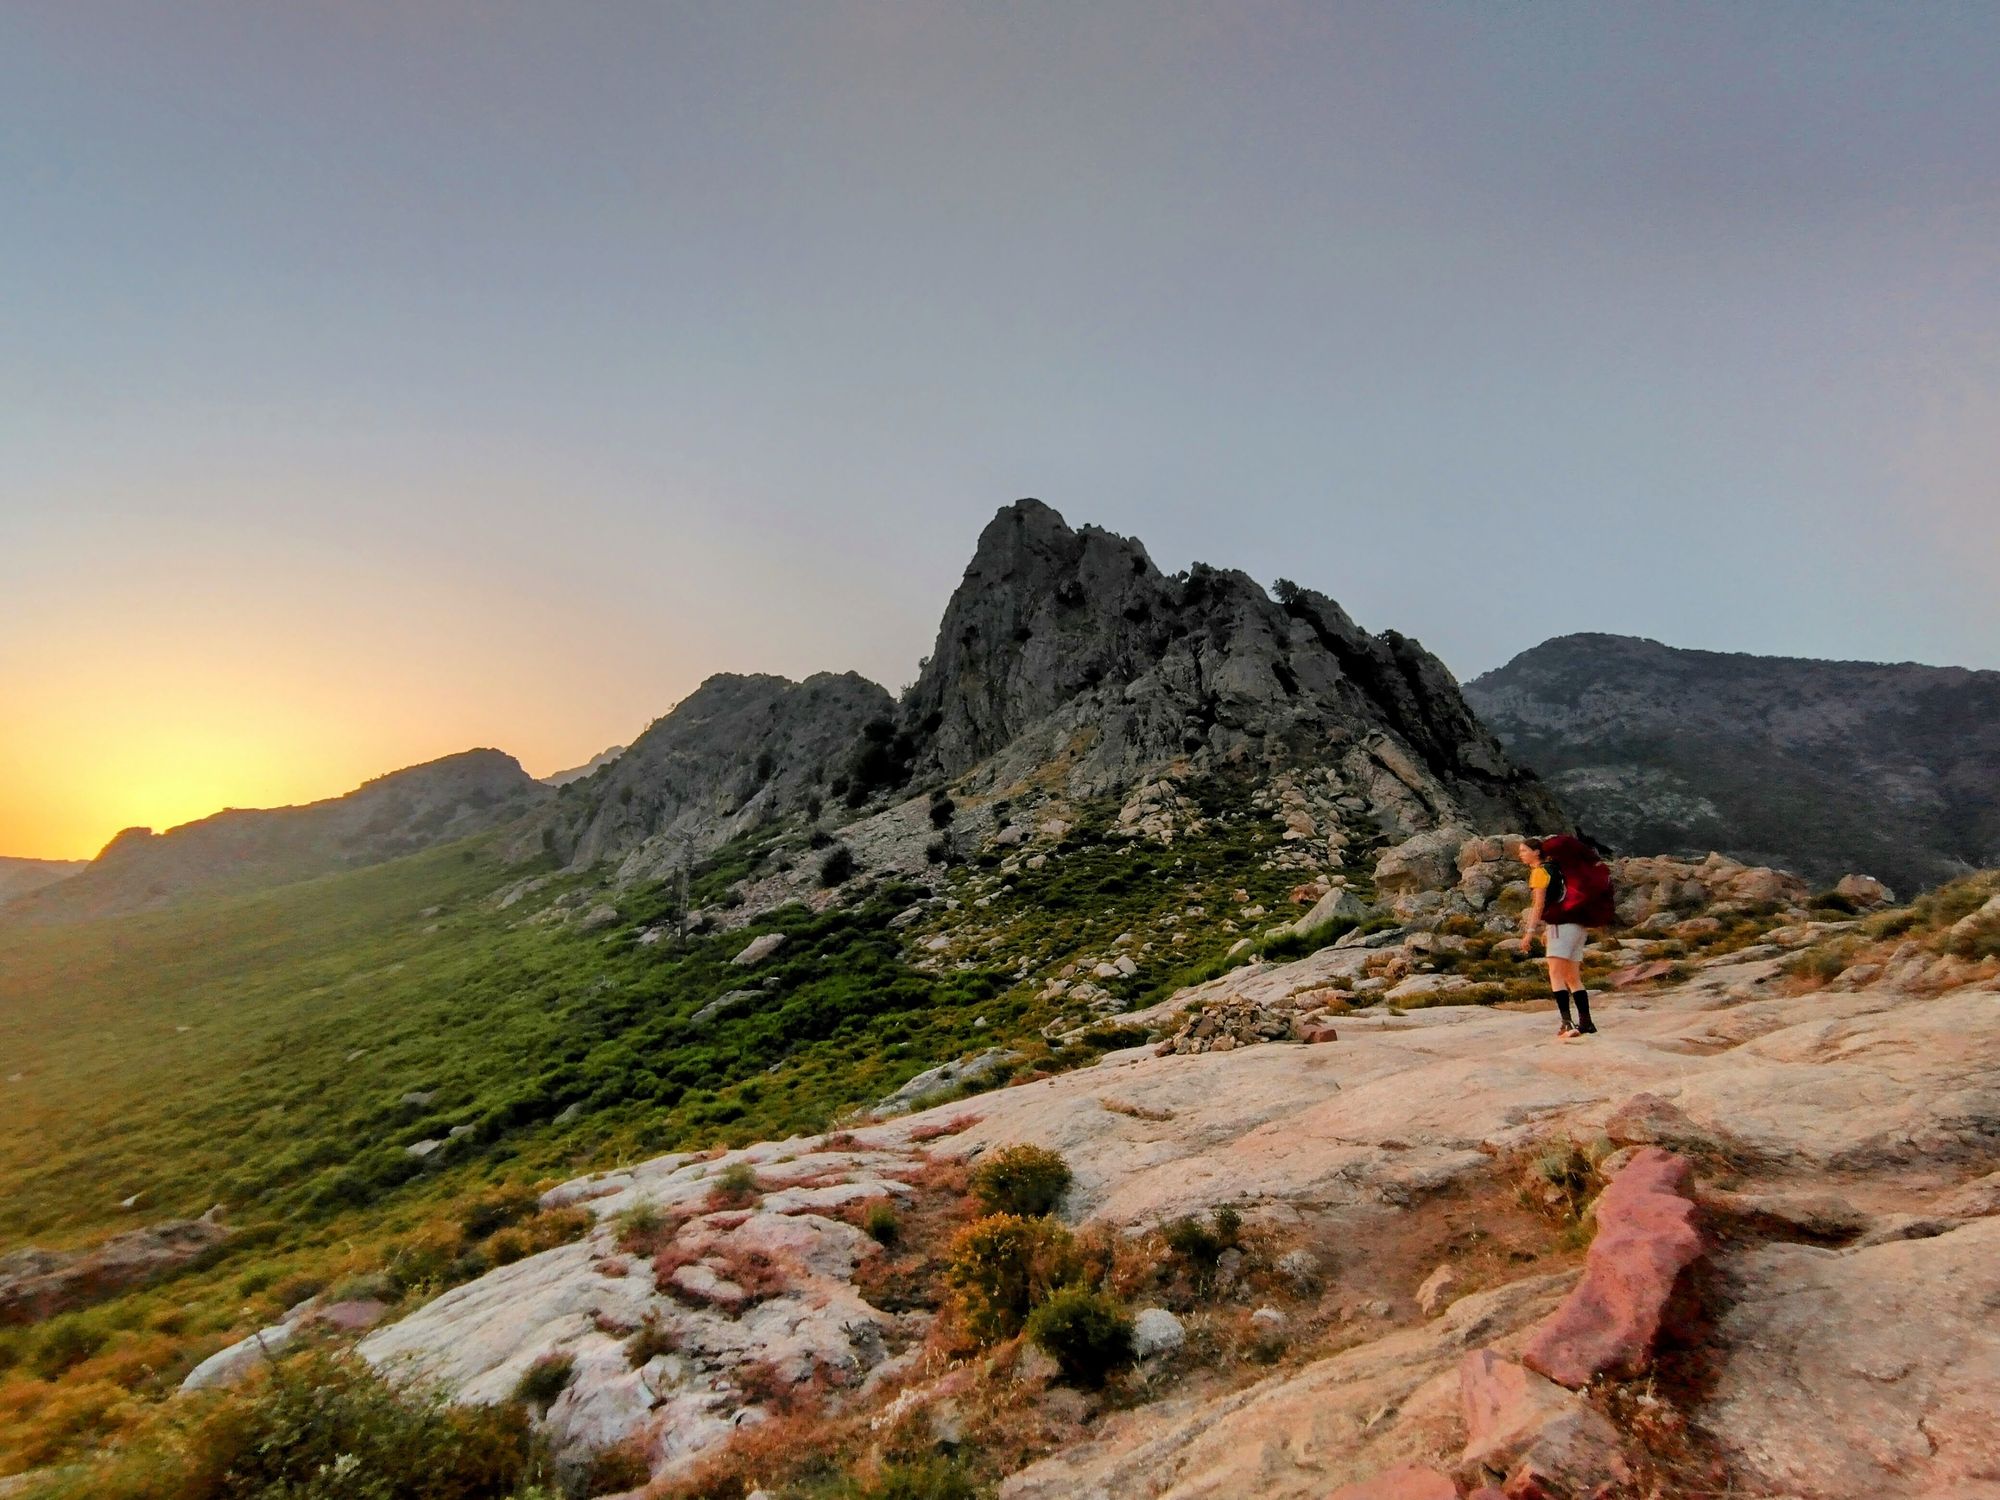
(1439, 1289)
(1268, 1321)
(1156, 1331)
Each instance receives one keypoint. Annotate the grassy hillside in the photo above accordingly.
(262, 1053)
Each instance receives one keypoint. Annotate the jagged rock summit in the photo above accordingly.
(1067, 649)
(397, 814)
(1067, 666)
(1817, 766)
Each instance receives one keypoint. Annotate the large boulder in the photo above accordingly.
(1426, 862)
(37, 1284)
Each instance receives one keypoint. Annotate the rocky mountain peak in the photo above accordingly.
(1067, 647)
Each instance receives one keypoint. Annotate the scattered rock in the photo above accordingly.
(598, 916)
(975, 1069)
(1649, 1120)
(231, 1366)
(721, 1004)
(1642, 973)
(758, 949)
(1530, 1435)
(1438, 1290)
(1156, 1331)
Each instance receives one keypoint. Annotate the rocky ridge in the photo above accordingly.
(20, 876)
(401, 813)
(1816, 766)
(1067, 669)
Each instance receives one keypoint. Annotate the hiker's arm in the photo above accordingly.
(1533, 919)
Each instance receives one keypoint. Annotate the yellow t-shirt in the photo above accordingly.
(1538, 878)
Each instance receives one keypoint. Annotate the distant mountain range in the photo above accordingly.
(1067, 667)
(1818, 766)
(397, 814)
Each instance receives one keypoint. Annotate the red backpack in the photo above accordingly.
(1586, 897)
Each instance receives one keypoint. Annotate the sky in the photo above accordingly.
(380, 380)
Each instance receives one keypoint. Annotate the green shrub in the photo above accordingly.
(930, 1478)
(1201, 1244)
(636, 1226)
(544, 1380)
(495, 1211)
(320, 1428)
(1024, 1180)
(1087, 1334)
(1003, 1266)
(66, 1342)
(652, 1339)
(942, 809)
(737, 1184)
(838, 866)
(881, 1223)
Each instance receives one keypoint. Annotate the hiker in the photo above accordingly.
(1571, 888)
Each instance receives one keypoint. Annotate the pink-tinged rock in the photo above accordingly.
(1318, 1033)
(350, 1317)
(1646, 1238)
(1539, 1441)
(1619, 979)
(1402, 1483)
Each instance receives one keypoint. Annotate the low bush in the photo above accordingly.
(544, 1380)
(1024, 1180)
(1000, 1268)
(1200, 1245)
(320, 1428)
(881, 1224)
(1087, 1334)
(838, 866)
(736, 1186)
(652, 1339)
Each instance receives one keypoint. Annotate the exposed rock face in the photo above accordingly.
(733, 753)
(1893, 1089)
(37, 1284)
(1067, 651)
(1818, 766)
(1864, 1372)
(20, 876)
(401, 813)
(1646, 1239)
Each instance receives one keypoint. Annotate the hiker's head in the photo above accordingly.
(1529, 851)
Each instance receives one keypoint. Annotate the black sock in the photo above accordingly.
(1562, 1004)
(1582, 999)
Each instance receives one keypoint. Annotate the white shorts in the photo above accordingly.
(1565, 940)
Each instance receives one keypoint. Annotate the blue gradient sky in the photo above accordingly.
(377, 380)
